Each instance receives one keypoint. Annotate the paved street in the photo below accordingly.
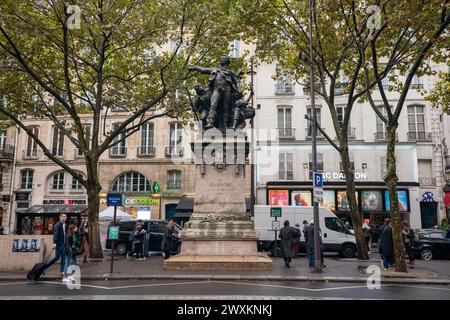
(216, 290)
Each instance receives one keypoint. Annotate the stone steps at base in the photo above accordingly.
(185, 262)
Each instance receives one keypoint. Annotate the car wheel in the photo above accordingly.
(348, 251)
(426, 254)
(121, 248)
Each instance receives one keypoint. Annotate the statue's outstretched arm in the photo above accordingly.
(200, 69)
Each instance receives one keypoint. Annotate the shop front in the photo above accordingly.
(41, 219)
(138, 206)
(372, 198)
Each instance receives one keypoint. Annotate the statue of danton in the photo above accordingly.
(221, 104)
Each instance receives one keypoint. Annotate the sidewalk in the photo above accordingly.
(337, 270)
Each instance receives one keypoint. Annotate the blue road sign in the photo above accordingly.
(115, 199)
(318, 180)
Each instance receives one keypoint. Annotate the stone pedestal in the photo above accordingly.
(220, 235)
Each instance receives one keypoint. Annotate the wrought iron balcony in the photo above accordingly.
(381, 136)
(419, 136)
(30, 155)
(427, 181)
(6, 152)
(174, 151)
(284, 88)
(309, 133)
(174, 184)
(118, 152)
(286, 133)
(146, 152)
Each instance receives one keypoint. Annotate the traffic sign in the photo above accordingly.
(318, 186)
(276, 225)
(275, 212)
(115, 199)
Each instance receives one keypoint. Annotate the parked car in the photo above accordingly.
(155, 232)
(432, 244)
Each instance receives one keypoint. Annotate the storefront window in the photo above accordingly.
(343, 204)
(372, 200)
(301, 198)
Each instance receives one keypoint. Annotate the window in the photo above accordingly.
(341, 115)
(416, 122)
(286, 166)
(381, 126)
(131, 181)
(285, 121)
(319, 164)
(284, 82)
(76, 185)
(147, 136)
(417, 82)
(235, 49)
(174, 179)
(352, 162)
(2, 169)
(335, 224)
(2, 140)
(342, 83)
(87, 137)
(119, 148)
(58, 181)
(31, 149)
(26, 181)
(58, 142)
(318, 118)
(175, 139)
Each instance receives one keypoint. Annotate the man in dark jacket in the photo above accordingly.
(59, 242)
(387, 247)
(287, 235)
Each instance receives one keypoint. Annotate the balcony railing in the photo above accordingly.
(30, 155)
(427, 181)
(118, 151)
(284, 88)
(308, 133)
(416, 85)
(6, 152)
(146, 151)
(288, 133)
(419, 136)
(57, 152)
(351, 133)
(307, 89)
(176, 184)
(174, 151)
(381, 136)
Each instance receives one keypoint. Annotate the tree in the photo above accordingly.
(416, 36)
(60, 61)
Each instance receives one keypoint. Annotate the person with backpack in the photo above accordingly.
(288, 235)
(408, 239)
(72, 250)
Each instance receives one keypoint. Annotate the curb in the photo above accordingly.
(385, 279)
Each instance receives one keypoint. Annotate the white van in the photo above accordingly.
(336, 237)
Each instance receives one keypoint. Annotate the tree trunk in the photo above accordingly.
(353, 205)
(95, 245)
(391, 183)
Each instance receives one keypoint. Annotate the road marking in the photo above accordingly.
(160, 284)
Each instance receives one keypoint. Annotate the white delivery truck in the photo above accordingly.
(336, 237)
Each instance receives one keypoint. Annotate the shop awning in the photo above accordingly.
(56, 209)
(447, 198)
(185, 207)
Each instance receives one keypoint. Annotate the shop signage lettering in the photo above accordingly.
(136, 202)
(341, 175)
(26, 245)
(64, 201)
(22, 196)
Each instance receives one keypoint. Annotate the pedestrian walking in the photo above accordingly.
(168, 239)
(138, 240)
(309, 239)
(288, 235)
(408, 240)
(386, 247)
(297, 240)
(59, 242)
(84, 237)
(72, 250)
(367, 235)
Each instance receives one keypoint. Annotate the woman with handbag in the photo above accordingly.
(73, 249)
(84, 236)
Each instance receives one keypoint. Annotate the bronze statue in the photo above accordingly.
(225, 109)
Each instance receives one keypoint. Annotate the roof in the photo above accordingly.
(57, 209)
